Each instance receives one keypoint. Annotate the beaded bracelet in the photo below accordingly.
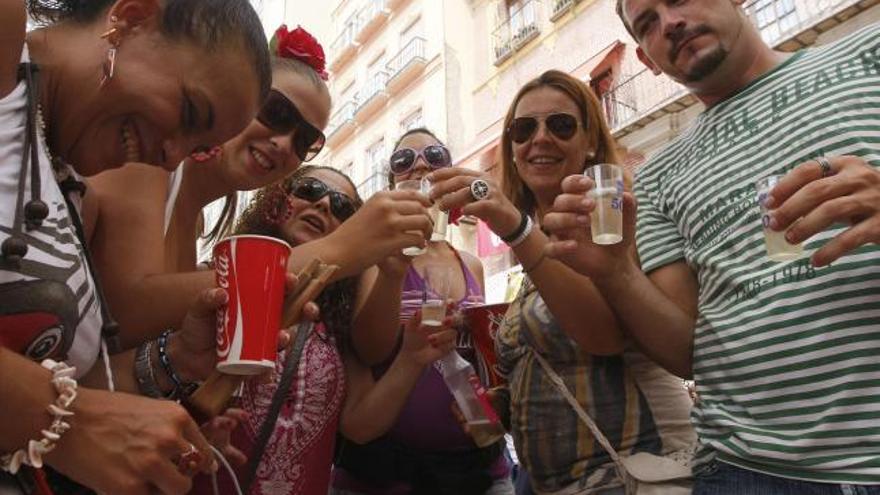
(65, 385)
(182, 389)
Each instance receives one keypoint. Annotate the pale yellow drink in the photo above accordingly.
(433, 312)
(778, 249)
(485, 432)
(606, 220)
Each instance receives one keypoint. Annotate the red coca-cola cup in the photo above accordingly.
(483, 322)
(252, 269)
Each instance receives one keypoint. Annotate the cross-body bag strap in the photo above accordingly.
(291, 364)
(594, 428)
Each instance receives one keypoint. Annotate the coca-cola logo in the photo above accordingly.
(222, 265)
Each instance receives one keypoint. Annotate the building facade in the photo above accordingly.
(454, 66)
(392, 69)
(516, 40)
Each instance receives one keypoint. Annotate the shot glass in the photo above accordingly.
(778, 249)
(413, 185)
(433, 312)
(606, 220)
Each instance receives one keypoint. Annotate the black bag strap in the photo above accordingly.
(291, 364)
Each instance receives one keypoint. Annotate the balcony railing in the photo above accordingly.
(371, 17)
(516, 31)
(342, 122)
(344, 46)
(560, 7)
(784, 24)
(638, 96)
(406, 64)
(371, 96)
(377, 181)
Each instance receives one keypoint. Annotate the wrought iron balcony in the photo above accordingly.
(342, 123)
(344, 46)
(377, 181)
(371, 17)
(371, 97)
(560, 7)
(406, 65)
(517, 30)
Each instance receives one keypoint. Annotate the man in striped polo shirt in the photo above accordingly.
(784, 354)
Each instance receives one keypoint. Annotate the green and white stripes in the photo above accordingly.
(786, 356)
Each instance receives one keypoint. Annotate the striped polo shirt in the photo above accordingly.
(786, 355)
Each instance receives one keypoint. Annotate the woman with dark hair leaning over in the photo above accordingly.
(103, 83)
(554, 128)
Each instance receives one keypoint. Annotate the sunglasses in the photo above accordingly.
(312, 190)
(404, 159)
(561, 125)
(281, 115)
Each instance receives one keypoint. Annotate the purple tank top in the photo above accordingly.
(426, 421)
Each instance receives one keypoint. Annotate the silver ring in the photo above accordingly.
(825, 167)
(479, 189)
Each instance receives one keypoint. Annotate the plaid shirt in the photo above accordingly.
(638, 406)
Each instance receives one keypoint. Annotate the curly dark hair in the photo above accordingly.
(264, 216)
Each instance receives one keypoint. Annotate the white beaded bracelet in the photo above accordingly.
(65, 385)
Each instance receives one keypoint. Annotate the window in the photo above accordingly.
(412, 121)
(774, 18)
(521, 15)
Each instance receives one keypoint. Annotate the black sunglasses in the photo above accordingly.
(561, 125)
(281, 115)
(312, 190)
(435, 155)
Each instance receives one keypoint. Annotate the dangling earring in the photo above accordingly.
(108, 68)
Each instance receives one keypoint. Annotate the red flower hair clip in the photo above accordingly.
(299, 45)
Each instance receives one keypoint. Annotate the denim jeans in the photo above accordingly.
(725, 479)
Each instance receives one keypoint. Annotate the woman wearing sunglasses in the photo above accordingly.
(136, 205)
(148, 224)
(332, 389)
(554, 128)
(426, 451)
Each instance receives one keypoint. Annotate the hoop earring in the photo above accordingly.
(108, 68)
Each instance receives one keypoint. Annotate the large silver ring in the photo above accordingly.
(825, 167)
(479, 189)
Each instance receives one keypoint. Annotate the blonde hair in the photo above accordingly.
(591, 117)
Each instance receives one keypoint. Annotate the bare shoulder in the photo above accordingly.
(12, 31)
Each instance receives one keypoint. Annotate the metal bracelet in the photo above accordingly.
(181, 389)
(143, 371)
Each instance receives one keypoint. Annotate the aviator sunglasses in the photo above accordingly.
(435, 155)
(561, 125)
(312, 190)
(281, 115)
